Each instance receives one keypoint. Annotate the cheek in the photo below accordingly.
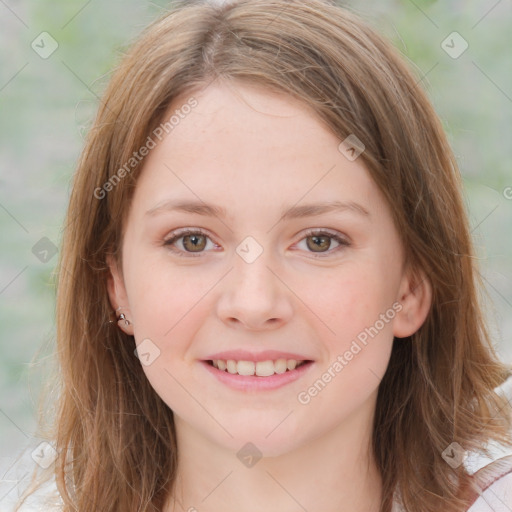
(357, 306)
(169, 305)
(169, 308)
(350, 300)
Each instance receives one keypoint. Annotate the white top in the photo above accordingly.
(497, 498)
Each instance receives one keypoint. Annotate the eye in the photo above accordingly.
(320, 242)
(193, 241)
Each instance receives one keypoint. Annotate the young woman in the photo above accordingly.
(267, 295)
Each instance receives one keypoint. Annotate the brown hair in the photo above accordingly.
(114, 436)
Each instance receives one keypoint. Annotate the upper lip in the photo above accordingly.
(265, 355)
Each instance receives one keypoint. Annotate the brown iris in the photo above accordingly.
(196, 244)
(322, 242)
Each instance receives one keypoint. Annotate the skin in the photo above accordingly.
(255, 153)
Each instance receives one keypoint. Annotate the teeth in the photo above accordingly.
(245, 367)
(264, 368)
(291, 364)
(260, 368)
(280, 366)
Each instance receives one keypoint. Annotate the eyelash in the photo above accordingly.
(312, 232)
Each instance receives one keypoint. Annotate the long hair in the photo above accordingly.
(114, 436)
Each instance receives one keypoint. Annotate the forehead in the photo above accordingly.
(232, 112)
(249, 146)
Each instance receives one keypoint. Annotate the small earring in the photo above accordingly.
(122, 318)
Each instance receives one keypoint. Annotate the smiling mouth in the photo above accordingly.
(257, 369)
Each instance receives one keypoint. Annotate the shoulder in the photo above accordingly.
(26, 487)
(496, 498)
(44, 499)
(493, 472)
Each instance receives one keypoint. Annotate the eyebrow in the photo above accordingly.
(293, 212)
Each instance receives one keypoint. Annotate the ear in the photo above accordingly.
(415, 297)
(117, 294)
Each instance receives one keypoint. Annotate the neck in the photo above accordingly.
(334, 473)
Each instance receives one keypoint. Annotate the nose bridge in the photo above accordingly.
(254, 294)
(251, 274)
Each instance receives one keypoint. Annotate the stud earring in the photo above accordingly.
(121, 319)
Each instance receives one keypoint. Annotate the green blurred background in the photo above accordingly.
(47, 104)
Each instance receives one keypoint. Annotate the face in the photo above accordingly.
(283, 249)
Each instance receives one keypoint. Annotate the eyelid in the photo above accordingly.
(325, 231)
(185, 231)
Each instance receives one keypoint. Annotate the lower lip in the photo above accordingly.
(255, 383)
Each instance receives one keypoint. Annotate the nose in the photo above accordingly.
(254, 296)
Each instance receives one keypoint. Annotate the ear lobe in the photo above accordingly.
(415, 297)
(117, 295)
